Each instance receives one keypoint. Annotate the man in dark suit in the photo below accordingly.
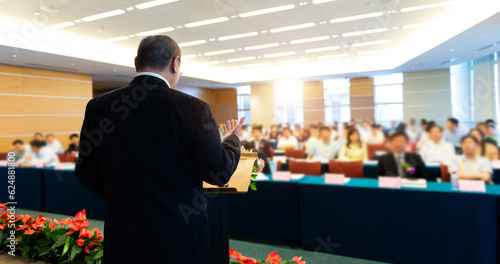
(260, 145)
(145, 149)
(399, 162)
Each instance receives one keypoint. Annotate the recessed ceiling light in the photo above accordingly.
(321, 1)
(293, 61)
(322, 49)
(414, 25)
(415, 8)
(294, 27)
(364, 32)
(358, 17)
(371, 43)
(115, 39)
(241, 59)
(264, 46)
(212, 62)
(60, 25)
(267, 10)
(206, 22)
(332, 56)
(298, 41)
(192, 43)
(155, 31)
(189, 56)
(237, 36)
(273, 55)
(211, 53)
(368, 52)
(154, 3)
(258, 65)
(103, 15)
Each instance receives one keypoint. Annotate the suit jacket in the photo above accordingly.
(145, 149)
(387, 165)
(72, 147)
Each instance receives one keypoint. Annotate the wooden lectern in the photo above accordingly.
(218, 209)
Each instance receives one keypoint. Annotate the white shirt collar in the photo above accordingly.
(154, 75)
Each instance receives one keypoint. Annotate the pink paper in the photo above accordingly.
(60, 166)
(282, 176)
(389, 182)
(38, 164)
(333, 178)
(3, 163)
(471, 186)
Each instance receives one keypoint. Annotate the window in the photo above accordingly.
(244, 103)
(337, 100)
(288, 102)
(388, 98)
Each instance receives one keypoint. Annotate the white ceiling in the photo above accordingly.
(463, 26)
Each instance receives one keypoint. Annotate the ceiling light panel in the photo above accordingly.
(267, 11)
(104, 15)
(273, 55)
(237, 36)
(358, 17)
(155, 31)
(192, 43)
(294, 27)
(154, 3)
(264, 46)
(364, 32)
(306, 40)
(207, 22)
(211, 53)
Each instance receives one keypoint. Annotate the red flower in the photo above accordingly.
(240, 258)
(87, 250)
(78, 223)
(80, 242)
(84, 232)
(3, 206)
(298, 260)
(29, 232)
(273, 258)
(39, 222)
(54, 224)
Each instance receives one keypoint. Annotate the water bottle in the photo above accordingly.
(454, 181)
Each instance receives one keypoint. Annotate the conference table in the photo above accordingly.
(358, 219)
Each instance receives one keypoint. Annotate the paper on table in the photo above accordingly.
(282, 176)
(334, 178)
(414, 183)
(261, 177)
(38, 164)
(296, 176)
(3, 163)
(389, 182)
(471, 186)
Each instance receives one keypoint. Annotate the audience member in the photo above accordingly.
(376, 136)
(353, 149)
(325, 148)
(470, 165)
(400, 162)
(73, 147)
(436, 149)
(454, 133)
(53, 143)
(287, 141)
(487, 148)
(38, 153)
(39, 136)
(301, 138)
(19, 149)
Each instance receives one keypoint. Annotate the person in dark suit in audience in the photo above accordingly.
(147, 147)
(260, 145)
(39, 137)
(398, 162)
(73, 147)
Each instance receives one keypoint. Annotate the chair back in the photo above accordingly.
(305, 167)
(353, 169)
(445, 175)
(372, 149)
(3, 156)
(295, 153)
(272, 154)
(66, 157)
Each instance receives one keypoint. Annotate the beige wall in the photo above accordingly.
(36, 100)
(262, 104)
(427, 94)
(362, 103)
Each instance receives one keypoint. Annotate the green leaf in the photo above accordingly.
(253, 187)
(99, 254)
(44, 251)
(66, 246)
(60, 240)
(74, 251)
(88, 259)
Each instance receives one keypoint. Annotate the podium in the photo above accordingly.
(218, 209)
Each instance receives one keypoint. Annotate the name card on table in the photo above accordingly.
(389, 182)
(282, 176)
(3, 163)
(334, 178)
(64, 166)
(471, 186)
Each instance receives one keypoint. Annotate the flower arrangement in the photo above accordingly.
(53, 241)
(258, 166)
(272, 258)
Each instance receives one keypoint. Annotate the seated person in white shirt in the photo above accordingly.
(324, 149)
(470, 166)
(287, 141)
(38, 153)
(454, 133)
(364, 130)
(375, 137)
(313, 136)
(19, 149)
(435, 149)
(53, 143)
(39, 136)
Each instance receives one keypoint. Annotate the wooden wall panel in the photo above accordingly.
(362, 93)
(37, 100)
(314, 103)
(262, 104)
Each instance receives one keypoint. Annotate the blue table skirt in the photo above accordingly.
(28, 186)
(272, 212)
(65, 195)
(434, 225)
